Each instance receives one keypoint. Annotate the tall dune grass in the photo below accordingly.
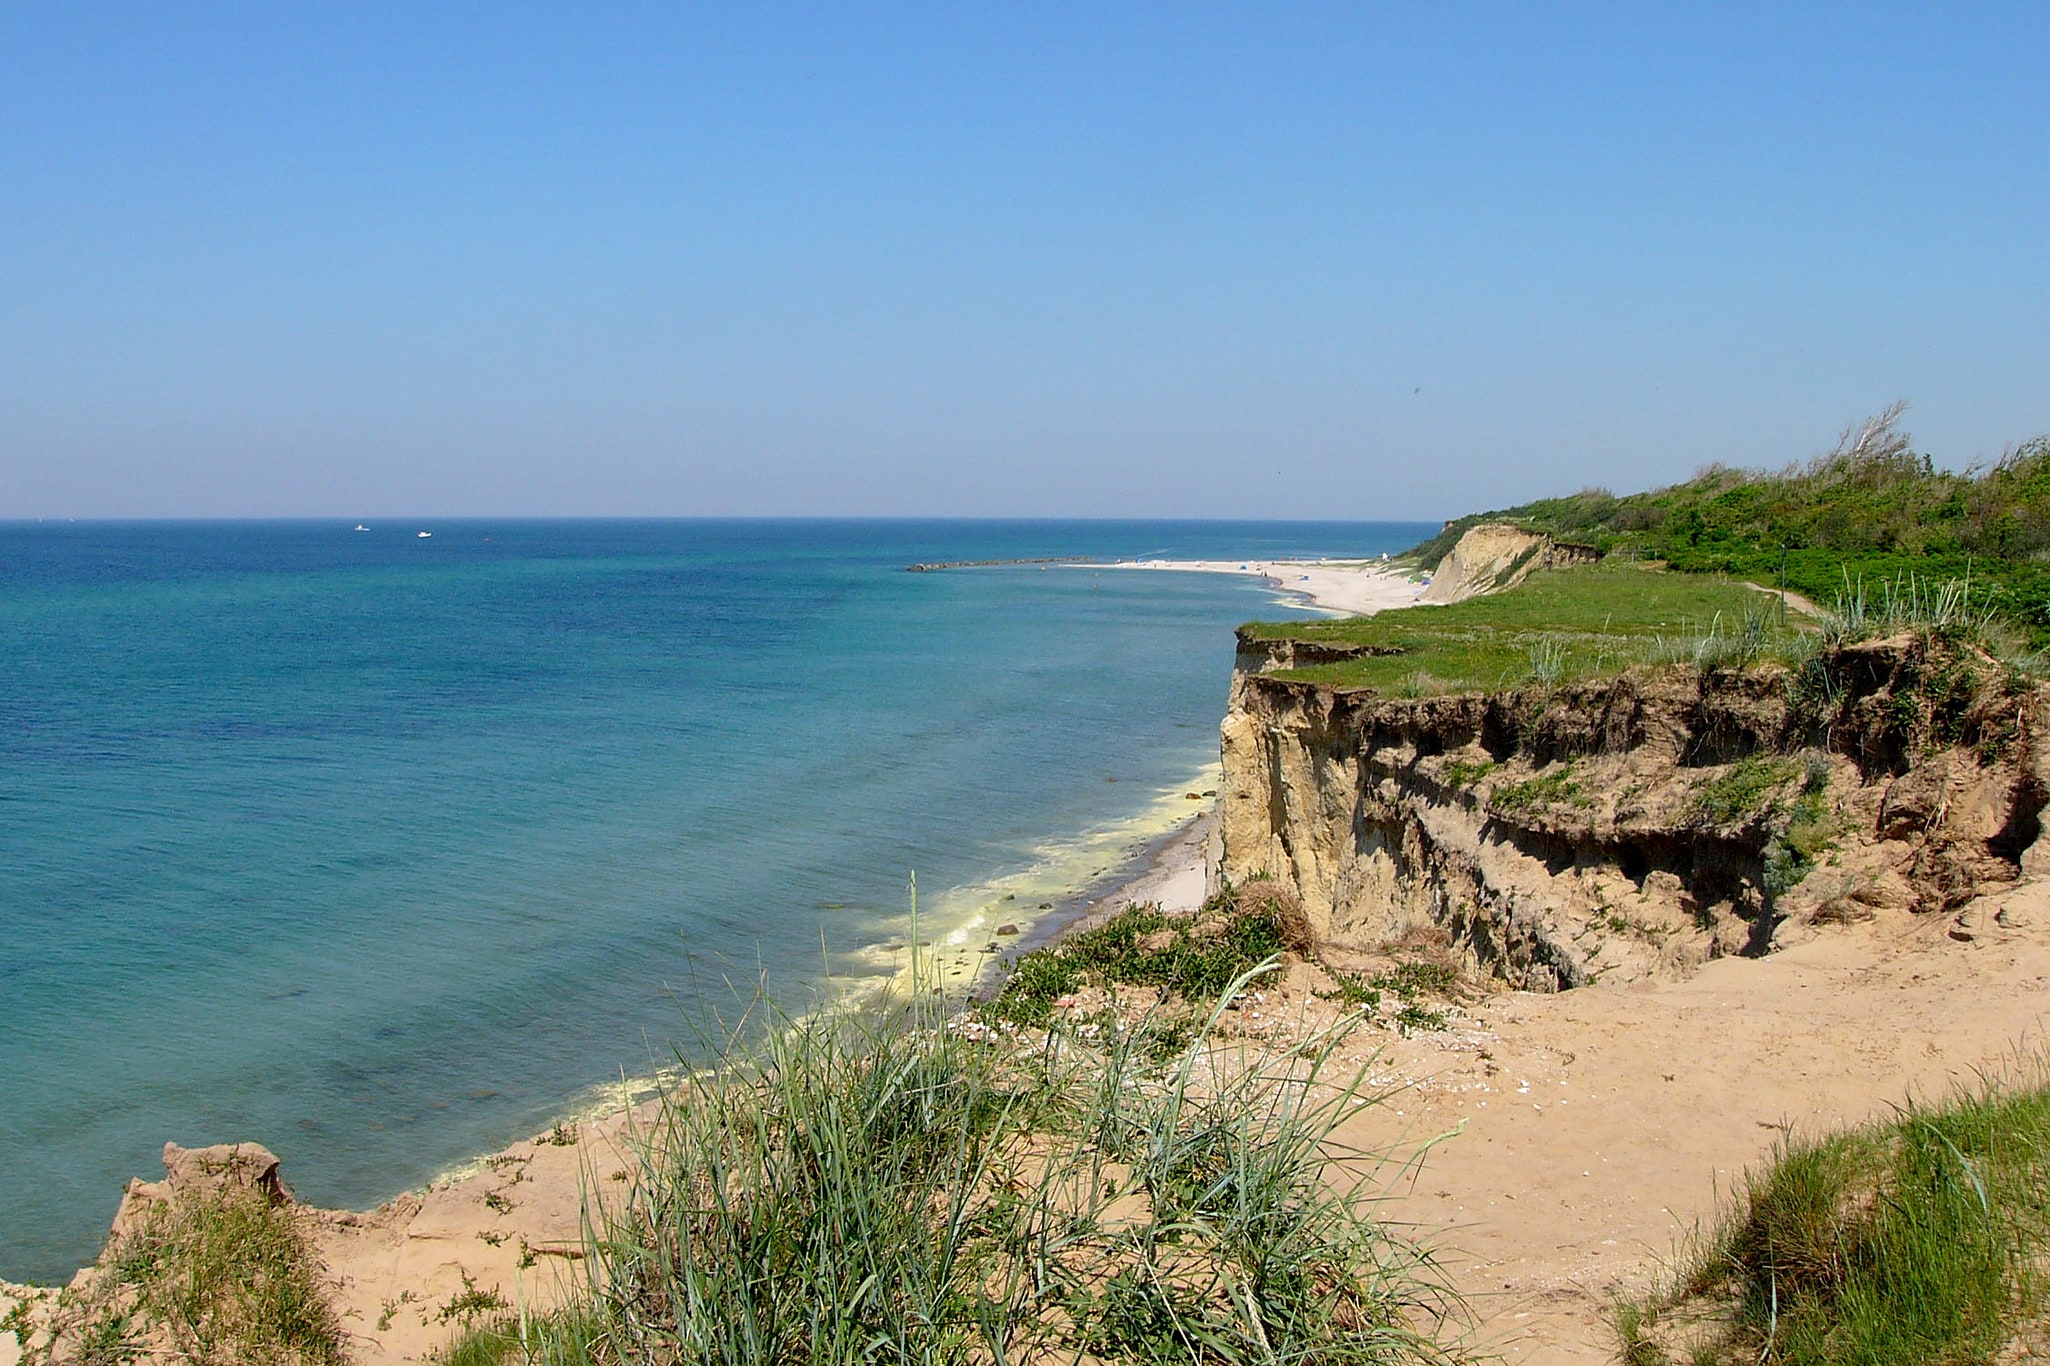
(1919, 1238)
(915, 1187)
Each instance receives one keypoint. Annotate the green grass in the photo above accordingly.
(1920, 1238)
(1465, 773)
(1744, 790)
(1409, 982)
(497, 1344)
(1191, 957)
(1553, 789)
(1556, 626)
(1871, 509)
(217, 1278)
(916, 1188)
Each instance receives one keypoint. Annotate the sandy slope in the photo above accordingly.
(1597, 1126)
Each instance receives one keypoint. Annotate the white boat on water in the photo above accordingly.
(423, 535)
(361, 527)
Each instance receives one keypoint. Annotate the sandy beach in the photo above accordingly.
(1596, 1128)
(1342, 587)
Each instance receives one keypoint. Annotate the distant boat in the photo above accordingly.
(423, 535)
(361, 527)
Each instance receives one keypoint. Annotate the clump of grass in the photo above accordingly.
(1738, 648)
(1465, 772)
(1418, 683)
(1937, 611)
(485, 1346)
(1556, 788)
(1194, 957)
(1410, 982)
(1920, 1238)
(1745, 790)
(904, 1188)
(1907, 602)
(1547, 661)
(214, 1277)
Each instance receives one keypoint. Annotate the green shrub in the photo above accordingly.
(217, 1277)
(907, 1189)
(1200, 958)
(1465, 773)
(1744, 791)
(1556, 788)
(1408, 981)
(1916, 1239)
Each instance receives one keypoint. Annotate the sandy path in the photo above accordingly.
(1346, 587)
(1598, 1125)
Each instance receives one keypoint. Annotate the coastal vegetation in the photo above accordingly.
(922, 1188)
(1695, 762)
(1192, 958)
(1870, 512)
(1870, 537)
(223, 1276)
(1557, 626)
(1918, 1238)
(1112, 1158)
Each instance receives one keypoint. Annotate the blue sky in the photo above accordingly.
(1192, 260)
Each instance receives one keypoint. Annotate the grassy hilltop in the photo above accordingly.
(1871, 532)
(1872, 510)
(1563, 624)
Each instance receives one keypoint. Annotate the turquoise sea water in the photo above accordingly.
(384, 850)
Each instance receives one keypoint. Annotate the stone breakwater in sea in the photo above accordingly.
(1632, 827)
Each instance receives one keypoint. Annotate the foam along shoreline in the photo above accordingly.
(1171, 871)
(1341, 587)
(1055, 884)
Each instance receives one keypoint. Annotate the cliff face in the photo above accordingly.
(1633, 826)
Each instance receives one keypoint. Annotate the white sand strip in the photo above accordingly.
(1344, 587)
(1173, 879)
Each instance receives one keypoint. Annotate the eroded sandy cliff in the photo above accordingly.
(1636, 826)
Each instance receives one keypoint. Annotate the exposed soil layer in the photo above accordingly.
(1641, 825)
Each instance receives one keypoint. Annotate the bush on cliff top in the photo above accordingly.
(1871, 509)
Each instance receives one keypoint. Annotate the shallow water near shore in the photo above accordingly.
(381, 849)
